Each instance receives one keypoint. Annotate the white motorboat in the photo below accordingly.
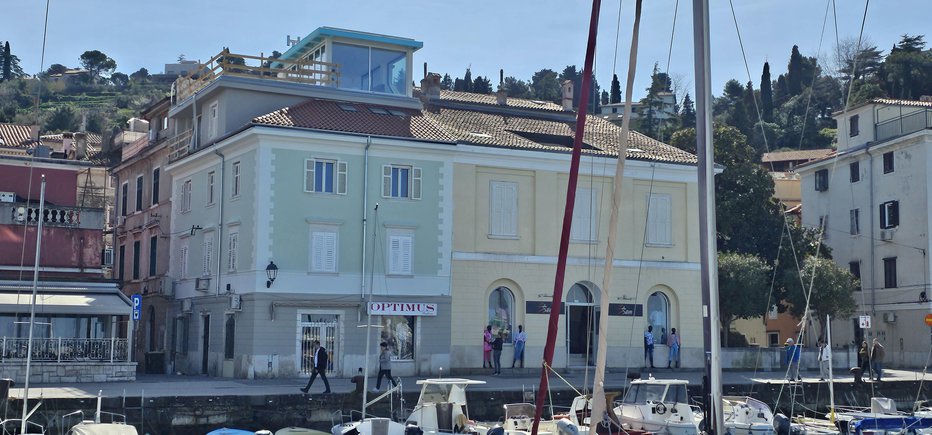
(519, 418)
(660, 406)
(441, 407)
(746, 415)
(116, 426)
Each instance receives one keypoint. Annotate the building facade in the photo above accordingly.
(873, 199)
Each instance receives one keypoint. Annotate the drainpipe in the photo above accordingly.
(223, 161)
(870, 212)
(365, 208)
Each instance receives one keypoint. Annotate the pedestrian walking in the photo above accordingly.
(825, 360)
(877, 354)
(864, 359)
(497, 352)
(520, 339)
(649, 346)
(673, 342)
(487, 347)
(792, 360)
(319, 360)
(385, 366)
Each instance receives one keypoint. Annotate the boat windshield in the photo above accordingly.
(640, 394)
(676, 394)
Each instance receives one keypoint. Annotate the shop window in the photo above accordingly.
(398, 332)
(658, 313)
(502, 312)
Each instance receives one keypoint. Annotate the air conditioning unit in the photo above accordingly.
(889, 317)
(887, 235)
(236, 302)
(7, 197)
(202, 284)
(186, 305)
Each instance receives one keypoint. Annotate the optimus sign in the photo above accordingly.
(402, 309)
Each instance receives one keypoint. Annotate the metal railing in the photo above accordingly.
(180, 145)
(226, 63)
(66, 349)
(906, 124)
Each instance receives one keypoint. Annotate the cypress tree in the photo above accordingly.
(688, 113)
(615, 96)
(7, 62)
(467, 80)
(794, 72)
(766, 94)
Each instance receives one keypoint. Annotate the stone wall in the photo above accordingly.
(70, 372)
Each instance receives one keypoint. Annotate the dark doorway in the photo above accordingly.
(580, 332)
(205, 345)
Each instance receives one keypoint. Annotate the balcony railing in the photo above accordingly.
(906, 124)
(226, 63)
(180, 145)
(55, 216)
(66, 349)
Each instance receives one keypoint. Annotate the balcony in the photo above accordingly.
(257, 67)
(906, 124)
(54, 216)
(180, 145)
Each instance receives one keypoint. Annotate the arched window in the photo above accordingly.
(502, 312)
(658, 314)
(579, 294)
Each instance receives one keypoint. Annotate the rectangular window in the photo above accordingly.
(107, 258)
(889, 214)
(823, 226)
(401, 182)
(213, 120)
(855, 268)
(183, 267)
(124, 197)
(324, 251)
(325, 176)
(229, 336)
(889, 272)
(211, 178)
(136, 259)
(122, 262)
(208, 254)
(399, 253)
(236, 173)
(888, 164)
(773, 339)
(821, 180)
(231, 254)
(503, 209)
(855, 169)
(139, 193)
(853, 125)
(398, 332)
(186, 196)
(586, 215)
(659, 220)
(855, 221)
(155, 185)
(153, 254)
(181, 334)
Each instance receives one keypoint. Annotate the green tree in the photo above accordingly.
(119, 79)
(63, 118)
(653, 110)
(615, 95)
(446, 83)
(140, 76)
(464, 84)
(97, 63)
(908, 69)
(545, 87)
(482, 85)
(832, 290)
(766, 94)
(794, 74)
(604, 98)
(743, 288)
(731, 109)
(7, 62)
(56, 68)
(688, 113)
(516, 88)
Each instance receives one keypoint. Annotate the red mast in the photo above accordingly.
(568, 214)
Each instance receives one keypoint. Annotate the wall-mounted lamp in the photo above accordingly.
(272, 271)
(194, 229)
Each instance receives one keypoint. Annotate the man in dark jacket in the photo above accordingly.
(320, 367)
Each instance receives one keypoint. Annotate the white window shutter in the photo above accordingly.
(659, 220)
(317, 251)
(582, 215)
(309, 175)
(394, 254)
(415, 183)
(208, 248)
(231, 255)
(330, 252)
(386, 181)
(406, 254)
(183, 267)
(496, 208)
(341, 178)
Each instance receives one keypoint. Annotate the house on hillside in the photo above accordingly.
(873, 197)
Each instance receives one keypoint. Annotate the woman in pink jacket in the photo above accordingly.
(487, 347)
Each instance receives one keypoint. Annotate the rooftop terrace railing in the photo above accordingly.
(906, 124)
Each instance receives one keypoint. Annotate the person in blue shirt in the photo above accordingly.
(792, 360)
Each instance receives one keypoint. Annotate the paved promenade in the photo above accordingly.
(527, 380)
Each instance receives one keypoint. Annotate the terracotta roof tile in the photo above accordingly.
(896, 102)
(491, 100)
(14, 135)
(784, 156)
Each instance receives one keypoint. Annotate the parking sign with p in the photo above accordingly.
(137, 306)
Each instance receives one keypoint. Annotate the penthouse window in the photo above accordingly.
(371, 69)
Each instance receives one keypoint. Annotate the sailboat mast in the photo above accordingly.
(707, 245)
(599, 405)
(32, 305)
(567, 215)
(831, 378)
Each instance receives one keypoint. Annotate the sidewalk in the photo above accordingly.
(175, 386)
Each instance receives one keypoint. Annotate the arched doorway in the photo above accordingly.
(658, 315)
(580, 325)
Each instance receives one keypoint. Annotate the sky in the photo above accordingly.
(519, 36)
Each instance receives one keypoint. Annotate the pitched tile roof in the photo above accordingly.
(356, 118)
(18, 136)
(896, 102)
(491, 100)
(14, 135)
(786, 156)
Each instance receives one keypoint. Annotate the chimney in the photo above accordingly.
(567, 95)
(501, 97)
(430, 87)
(80, 140)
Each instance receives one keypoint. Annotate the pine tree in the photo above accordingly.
(446, 83)
(766, 94)
(615, 96)
(604, 98)
(688, 113)
(481, 85)
(7, 62)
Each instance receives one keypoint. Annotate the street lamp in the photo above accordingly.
(272, 271)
